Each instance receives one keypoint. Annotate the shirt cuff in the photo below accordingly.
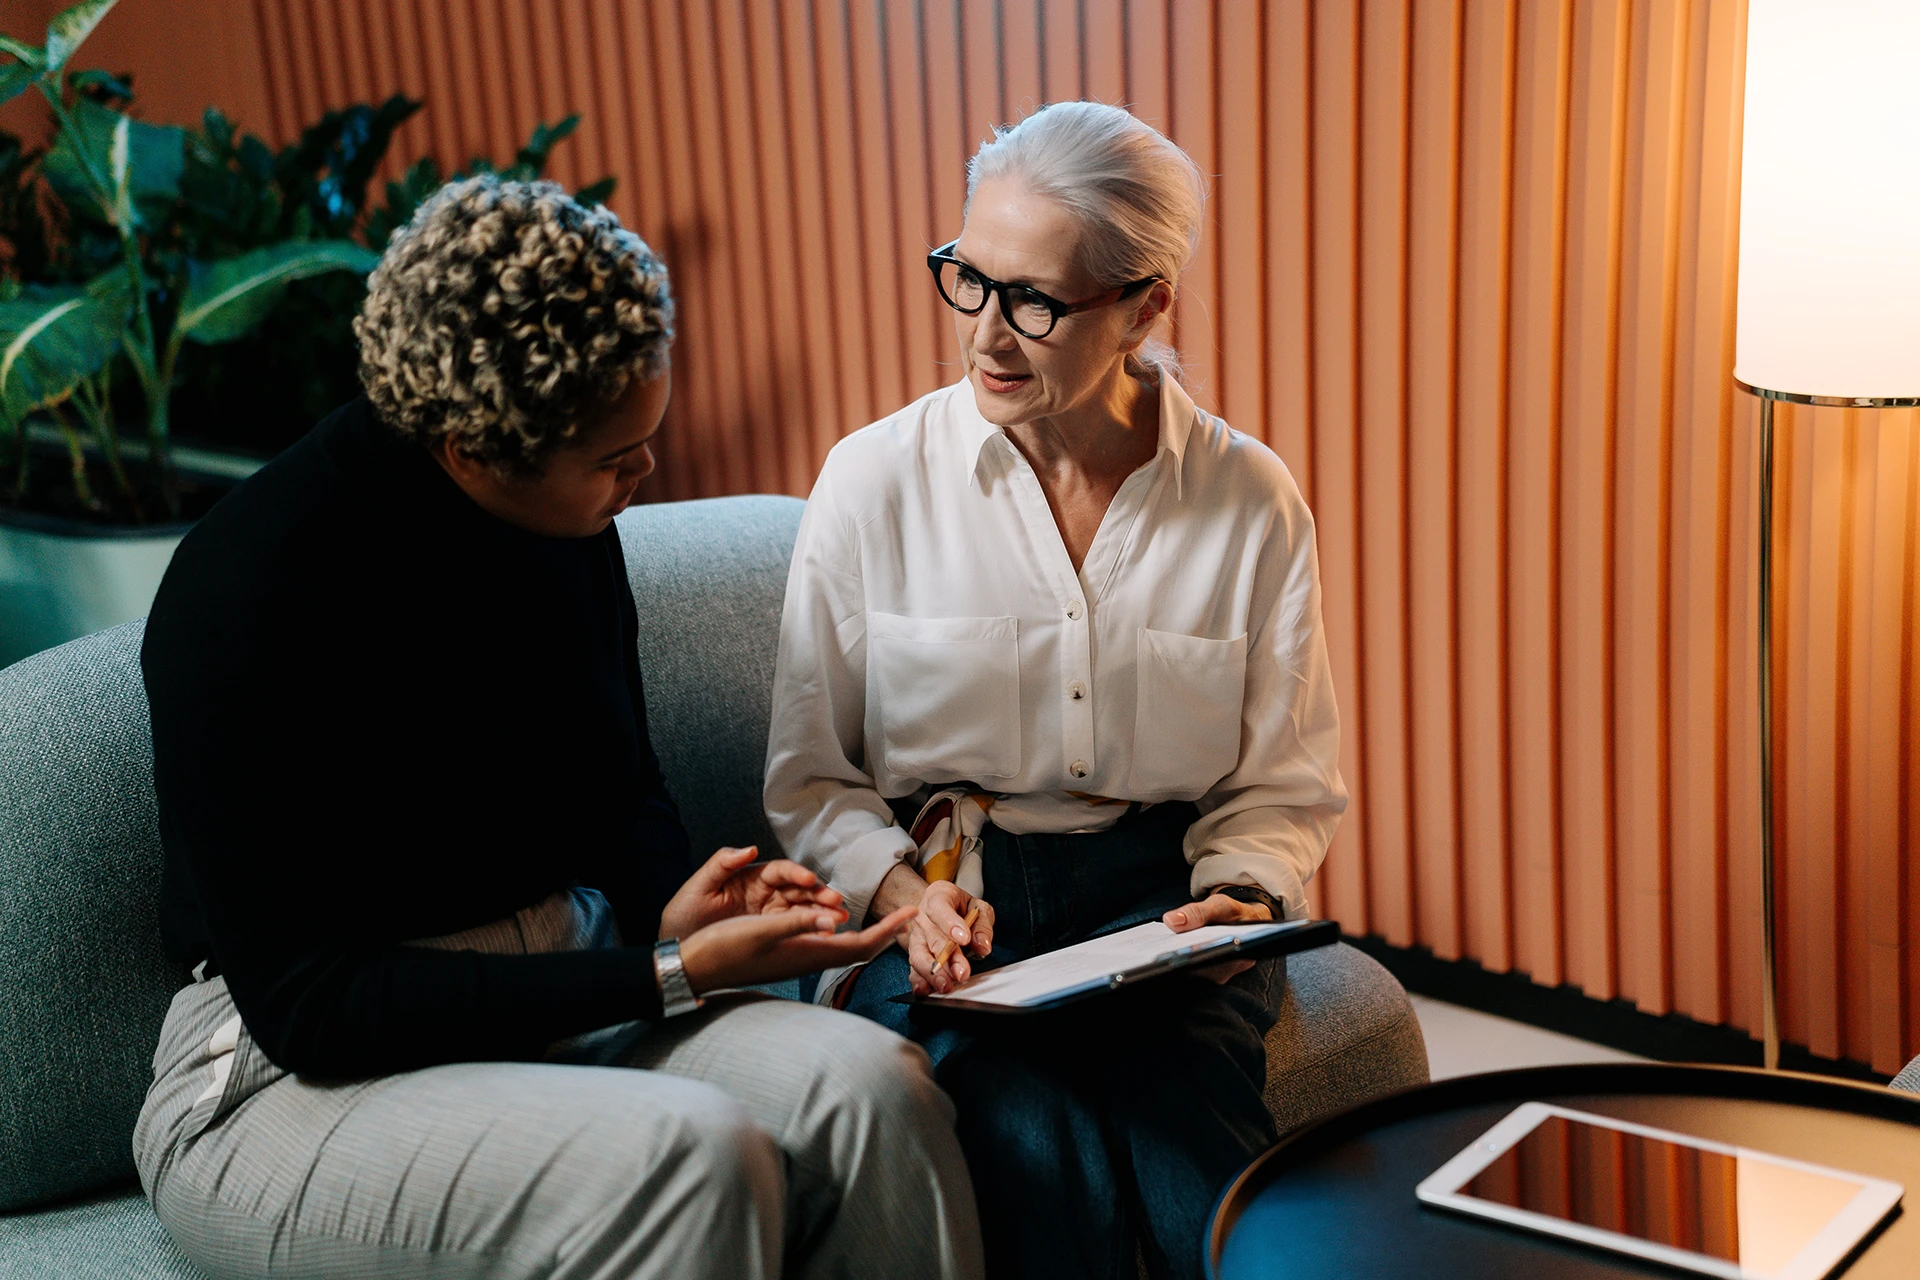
(859, 868)
(1262, 871)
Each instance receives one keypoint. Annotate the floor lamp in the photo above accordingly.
(1829, 304)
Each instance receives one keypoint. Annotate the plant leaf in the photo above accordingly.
(156, 157)
(541, 144)
(226, 299)
(71, 26)
(31, 54)
(15, 77)
(121, 172)
(102, 80)
(50, 339)
(595, 193)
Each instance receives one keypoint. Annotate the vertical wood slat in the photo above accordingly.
(1238, 215)
(1818, 521)
(550, 83)
(848, 250)
(1698, 591)
(724, 242)
(1355, 895)
(1586, 493)
(1543, 79)
(581, 90)
(1882, 605)
(1021, 54)
(1469, 268)
(1381, 430)
(1743, 923)
(1288, 127)
(1062, 51)
(984, 73)
(1288, 228)
(1433, 277)
(1641, 534)
(1193, 118)
(441, 87)
(879, 196)
(1104, 54)
(644, 205)
(753, 303)
(791, 381)
(948, 146)
(1485, 256)
(913, 209)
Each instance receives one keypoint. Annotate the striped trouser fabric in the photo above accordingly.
(754, 1138)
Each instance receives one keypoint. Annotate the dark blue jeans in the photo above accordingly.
(1115, 1120)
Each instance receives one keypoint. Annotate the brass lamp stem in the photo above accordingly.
(1769, 987)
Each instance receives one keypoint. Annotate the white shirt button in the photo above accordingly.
(1075, 609)
(1078, 768)
(1076, 691)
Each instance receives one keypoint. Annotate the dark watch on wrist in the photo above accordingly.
(676, 993)
(1253, 897)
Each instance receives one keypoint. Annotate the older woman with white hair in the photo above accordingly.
(1060, 593)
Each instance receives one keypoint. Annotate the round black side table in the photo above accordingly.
(1336, 1198)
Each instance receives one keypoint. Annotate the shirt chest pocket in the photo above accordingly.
(943, 696)
(1186, 734)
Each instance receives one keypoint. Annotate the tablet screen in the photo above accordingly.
(1754, 1213)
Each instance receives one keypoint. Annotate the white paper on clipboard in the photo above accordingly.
(1100, 961)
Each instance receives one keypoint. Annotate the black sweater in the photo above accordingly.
(381, 714)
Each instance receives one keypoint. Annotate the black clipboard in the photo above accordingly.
(1301, 935)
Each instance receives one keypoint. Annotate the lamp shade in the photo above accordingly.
(1830, 199)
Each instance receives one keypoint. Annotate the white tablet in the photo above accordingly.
(1704, 1206)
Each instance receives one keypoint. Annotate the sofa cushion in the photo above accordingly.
(84, 985)
(113, 1237)
(709, 578)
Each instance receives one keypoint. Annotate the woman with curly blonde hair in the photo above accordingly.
(418, 845)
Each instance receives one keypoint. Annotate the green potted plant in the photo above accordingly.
(153, 276)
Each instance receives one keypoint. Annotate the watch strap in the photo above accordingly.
(676, 991)
(1253, 896)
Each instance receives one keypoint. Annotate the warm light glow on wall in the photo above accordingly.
(1467, 267)
(1830, 199)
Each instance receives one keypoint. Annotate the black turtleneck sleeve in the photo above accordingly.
(381, 715)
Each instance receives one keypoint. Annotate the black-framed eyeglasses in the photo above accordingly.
(1031, 312)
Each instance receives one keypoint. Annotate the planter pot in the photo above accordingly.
(60, 578)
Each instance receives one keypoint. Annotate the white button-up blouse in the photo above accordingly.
(935, 631)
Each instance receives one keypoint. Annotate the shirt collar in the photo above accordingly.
(1178, 415)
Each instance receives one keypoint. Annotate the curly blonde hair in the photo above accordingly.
(503, 314)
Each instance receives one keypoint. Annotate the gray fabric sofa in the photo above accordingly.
(83, 984)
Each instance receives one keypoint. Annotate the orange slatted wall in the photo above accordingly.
(1470, 270)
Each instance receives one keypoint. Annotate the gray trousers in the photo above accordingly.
(754, 1138)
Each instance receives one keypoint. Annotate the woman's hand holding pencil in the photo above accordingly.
(952, 925)
(947, 947)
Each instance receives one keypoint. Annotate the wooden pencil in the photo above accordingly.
(946, 952)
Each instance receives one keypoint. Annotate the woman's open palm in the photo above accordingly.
(728, 885)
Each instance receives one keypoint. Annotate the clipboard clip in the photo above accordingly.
(1173, 959)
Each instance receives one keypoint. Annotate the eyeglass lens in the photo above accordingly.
(967, 292)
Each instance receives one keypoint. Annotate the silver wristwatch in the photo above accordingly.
(676, 993)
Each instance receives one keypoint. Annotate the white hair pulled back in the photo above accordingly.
(1138, 197)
